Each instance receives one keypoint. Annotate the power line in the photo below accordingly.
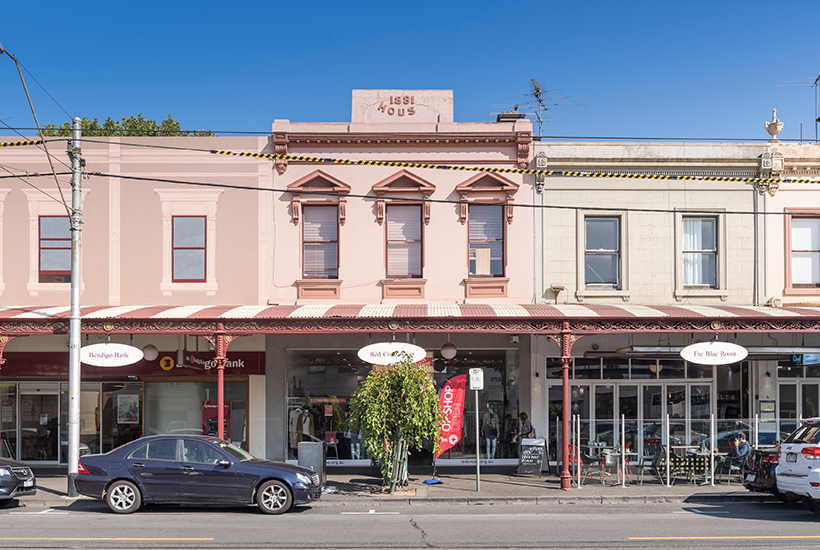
(13, 175)
(453, 167)
(46, 91)
(607, 208)
(535, 137)
(39, 130)
(42, 149)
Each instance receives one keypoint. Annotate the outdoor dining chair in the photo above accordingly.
(652, 464)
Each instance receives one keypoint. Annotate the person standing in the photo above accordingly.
(489, 430)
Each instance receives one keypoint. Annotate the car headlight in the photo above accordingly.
(303, 478)
(5, 472)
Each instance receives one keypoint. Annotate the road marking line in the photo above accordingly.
(370, 513)
(105, 538)
(694, 511)
(46, 511)
(741, 537)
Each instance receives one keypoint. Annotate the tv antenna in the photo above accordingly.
(538, 102)
(811, 82)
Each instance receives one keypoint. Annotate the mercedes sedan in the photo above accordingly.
(195, 470)
(16, 480)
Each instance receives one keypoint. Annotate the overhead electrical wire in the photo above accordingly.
(550, 173)
(42, 149)
(68, 209)
(608, 208)
(22, 178)
(534, 137)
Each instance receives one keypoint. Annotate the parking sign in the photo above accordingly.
(476, 379)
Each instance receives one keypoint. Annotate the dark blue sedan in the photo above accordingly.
(192, 469)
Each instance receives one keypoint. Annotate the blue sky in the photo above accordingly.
(668, 69)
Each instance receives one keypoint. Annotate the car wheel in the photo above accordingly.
(123, 497)
(274, 497)
(6, 502)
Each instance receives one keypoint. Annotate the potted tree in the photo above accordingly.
(397, 408)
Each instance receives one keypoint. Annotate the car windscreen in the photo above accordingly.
(233, 450)
(805, 435)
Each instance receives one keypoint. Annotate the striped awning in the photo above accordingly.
(410, 311)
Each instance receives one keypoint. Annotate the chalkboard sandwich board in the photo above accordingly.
(531, 458)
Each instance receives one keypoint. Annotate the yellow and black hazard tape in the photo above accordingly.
(552, 173)
(19, 143)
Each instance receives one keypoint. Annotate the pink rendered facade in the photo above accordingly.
(254, 239)
(173, 231)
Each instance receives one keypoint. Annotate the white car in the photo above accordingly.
(798, 464)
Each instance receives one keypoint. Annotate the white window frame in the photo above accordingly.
(189, 202)
(716, 252)
(582, 292)
(721, 265)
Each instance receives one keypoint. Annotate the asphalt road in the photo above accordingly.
(89, 524)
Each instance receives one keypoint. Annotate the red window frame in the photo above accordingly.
(52, 276)
(790, 287)
(203, 248)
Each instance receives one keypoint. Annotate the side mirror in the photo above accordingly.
(224, 463)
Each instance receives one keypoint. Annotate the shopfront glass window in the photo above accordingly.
(616, 368)
(788, 407)
(604, 411)
(320, 384)
(555, 368)
(628, 409)
(789, 369)
(8, 421)
(122, 412)
(191, 408)
(672, 368)
(810, 401)
(700, 413)
(89, 421)
(587, 369)
(644, 368)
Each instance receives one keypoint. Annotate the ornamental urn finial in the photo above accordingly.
(774, 127)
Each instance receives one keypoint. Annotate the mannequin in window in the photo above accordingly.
(293, 421)
(304, 426)
(489, 430)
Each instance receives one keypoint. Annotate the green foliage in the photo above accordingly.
(130, 126)
(396, 402)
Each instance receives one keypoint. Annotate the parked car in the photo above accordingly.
(192, 469)
(798, 467)
(16, 480)
(759, 470)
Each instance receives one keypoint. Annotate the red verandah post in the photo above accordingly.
(566, 342)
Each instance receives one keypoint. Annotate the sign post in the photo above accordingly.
(477, 383)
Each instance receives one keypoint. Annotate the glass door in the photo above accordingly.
(39, 430)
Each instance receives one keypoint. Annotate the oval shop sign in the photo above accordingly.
(714, 353)
(110, 355)
(388, 353)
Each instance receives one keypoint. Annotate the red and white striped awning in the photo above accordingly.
(410, 311)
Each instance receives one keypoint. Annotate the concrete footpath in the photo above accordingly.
(497, 486)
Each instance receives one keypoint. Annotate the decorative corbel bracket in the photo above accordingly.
(296, 209)
(280, 147)
(524, 140)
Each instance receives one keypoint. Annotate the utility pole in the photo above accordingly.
(74, 387)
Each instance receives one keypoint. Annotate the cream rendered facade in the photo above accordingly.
(650, 212)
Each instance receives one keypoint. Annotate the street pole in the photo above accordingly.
(477, 448)
(74, 387)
